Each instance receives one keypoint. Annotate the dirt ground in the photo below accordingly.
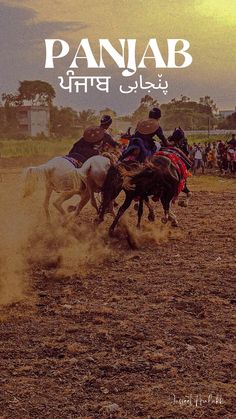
(90, 328)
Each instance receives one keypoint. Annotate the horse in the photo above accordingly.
(159, 179)
(60, 175)
(179, 144)
(167, 168)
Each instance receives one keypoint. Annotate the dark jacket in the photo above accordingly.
(149, 141)
(86, 150)
(135, 143)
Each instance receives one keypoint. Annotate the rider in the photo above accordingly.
(147, 133)
(88, 145)
(177, 139)
(105, 123)
(144, 137)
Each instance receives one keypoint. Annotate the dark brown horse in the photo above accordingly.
(160, 180)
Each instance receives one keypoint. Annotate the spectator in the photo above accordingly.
(198, 160)
(231, 158)
(232, 142)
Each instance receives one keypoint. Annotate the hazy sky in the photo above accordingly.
(209, 26)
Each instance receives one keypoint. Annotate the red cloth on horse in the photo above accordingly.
(180, 166)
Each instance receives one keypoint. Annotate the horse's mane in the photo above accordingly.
(129, 170)
(152, 164)
(111, 156)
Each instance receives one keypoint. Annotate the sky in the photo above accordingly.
(209, 26)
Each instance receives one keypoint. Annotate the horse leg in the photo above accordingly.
(182, 202)
(166, 206)
(115, 204)
(46, 201)
(93, 200)
(62, 198)
(151, 215)
(168, 214)
(140, 212)
(85, 196)
(122, 209)
(172, 217)
(111, 209)
(107, 200)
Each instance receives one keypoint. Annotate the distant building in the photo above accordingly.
(33, 120)
(225, 113)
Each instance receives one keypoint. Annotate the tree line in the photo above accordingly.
(67, 122)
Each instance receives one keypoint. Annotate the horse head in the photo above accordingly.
(177, 135)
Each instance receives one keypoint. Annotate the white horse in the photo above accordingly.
(61, 176)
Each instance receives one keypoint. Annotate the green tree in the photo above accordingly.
(229, 122)
(108, 111)
(37, 92)
(9, 99)
(207, 101)
(184, 98)
(146, 104)
(86, 118)
(63, 121)
(186, 113)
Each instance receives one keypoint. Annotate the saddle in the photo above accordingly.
(76, 163)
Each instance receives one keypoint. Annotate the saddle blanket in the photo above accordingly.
(180, 166)
(76, 163)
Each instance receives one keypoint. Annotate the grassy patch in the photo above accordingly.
(29, 147)
(56, 146)
(203, 138)
(211, 183)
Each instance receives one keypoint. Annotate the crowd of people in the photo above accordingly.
(149, 139)
(218, 154)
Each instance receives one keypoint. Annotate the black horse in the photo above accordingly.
(157, 177)
(180, 143)
(139, 183)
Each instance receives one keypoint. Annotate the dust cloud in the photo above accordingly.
(14, 227)
(150, 232)
(28, 241)
(68, 250)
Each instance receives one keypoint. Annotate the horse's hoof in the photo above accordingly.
(111, 232)
(182, 204)
(136, 207)
(71, 208)
(164, 220)
(97, 221)
(151, 217)
(174, 224)
(132, 244)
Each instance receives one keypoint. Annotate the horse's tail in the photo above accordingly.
(32, 176)
(112, 186)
